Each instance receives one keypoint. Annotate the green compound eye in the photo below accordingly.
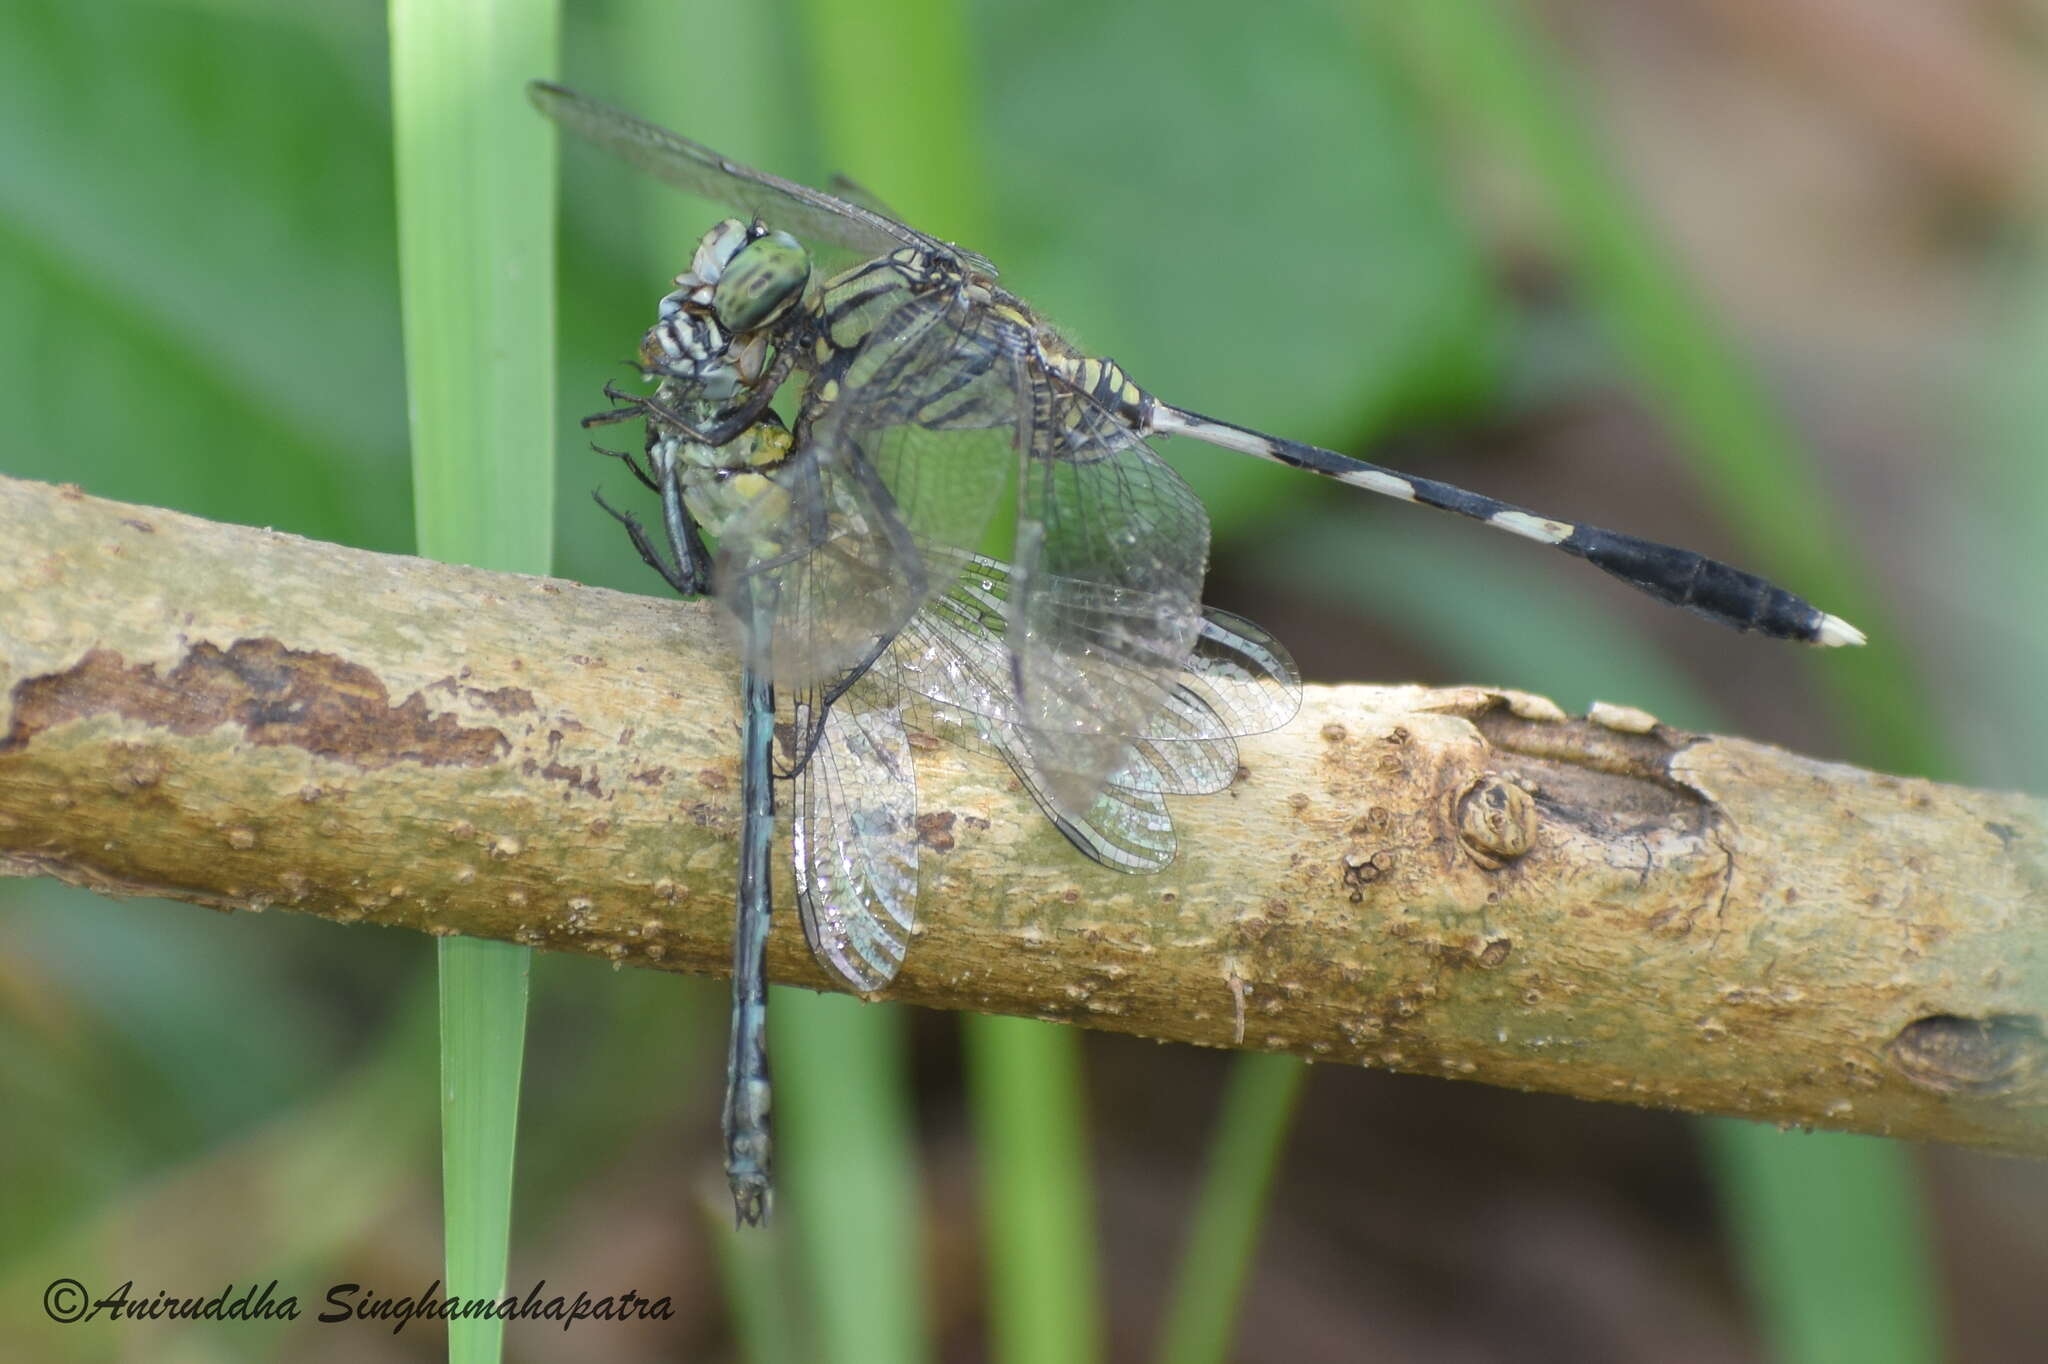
(763, 278)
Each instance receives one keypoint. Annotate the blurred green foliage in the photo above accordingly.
(197, 265)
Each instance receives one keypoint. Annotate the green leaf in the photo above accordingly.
(476, 195)
(195, 251)
(1246, 214)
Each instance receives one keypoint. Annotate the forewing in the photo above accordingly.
(855, 841)
(852, 191)
(695, 168)
(930, 402)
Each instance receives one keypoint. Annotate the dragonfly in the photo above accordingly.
(931, 396)
(848, 748)
(893, 345)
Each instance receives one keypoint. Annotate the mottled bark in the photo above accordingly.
(1460, 882)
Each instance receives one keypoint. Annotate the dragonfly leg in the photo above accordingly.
(690, 580)
(626, 412)
(719, 432)
(685, 540)
(634, 405)
(625, 457)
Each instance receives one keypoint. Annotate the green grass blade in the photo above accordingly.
(1024, 1079)
(475, 179)
(751, 1269)
(1258, 1112)
(476, 267)
(1829, 1224)
(849, 1189)
(483, 1044)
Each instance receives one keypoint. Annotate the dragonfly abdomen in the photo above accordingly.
(1680, 577)
(1704, 586)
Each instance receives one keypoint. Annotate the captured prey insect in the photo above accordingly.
(930, 393)
(847, 751)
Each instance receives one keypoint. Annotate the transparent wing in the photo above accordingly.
(1242, 675)
(1106, 609)
(842, 186)
(855, 841)
(908, 461)
(1126, 827)
(828, 551)
(952, 664)
(1104, 603)
(1236, 680)
(697, 169)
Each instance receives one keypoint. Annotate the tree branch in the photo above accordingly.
(1460, 882)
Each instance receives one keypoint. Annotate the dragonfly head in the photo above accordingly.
(743, 274)
(762, 280)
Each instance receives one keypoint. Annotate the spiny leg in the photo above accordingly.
(690, 575)
(613, 415)
(685, 582)
(626, 458)
(720, 432)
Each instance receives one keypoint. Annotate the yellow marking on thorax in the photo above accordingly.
(771, 447)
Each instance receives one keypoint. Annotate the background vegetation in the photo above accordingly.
(1768, 280)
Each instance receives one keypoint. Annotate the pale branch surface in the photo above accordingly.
(1460, 882)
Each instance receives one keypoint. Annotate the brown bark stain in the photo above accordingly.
(506, 701)
(569, 774)
(279, 696)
